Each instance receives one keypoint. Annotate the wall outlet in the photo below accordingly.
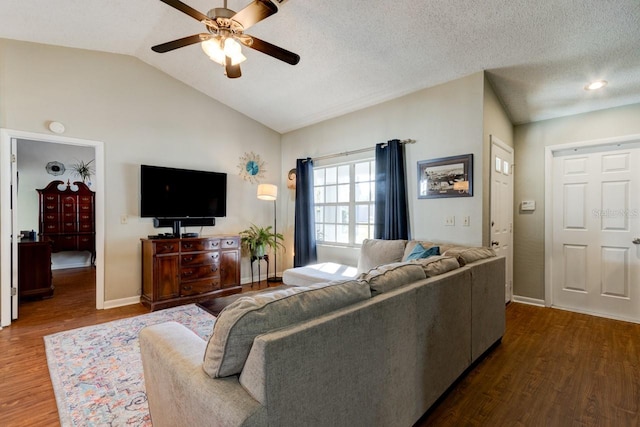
(466, 221)
(124, 219)
(450, 221)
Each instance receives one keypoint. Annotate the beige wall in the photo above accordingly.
(445, 120)
(142, 116)
(530, 142)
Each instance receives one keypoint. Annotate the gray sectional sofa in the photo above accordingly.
(375, 351)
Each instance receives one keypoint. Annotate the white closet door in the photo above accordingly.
(595, 222)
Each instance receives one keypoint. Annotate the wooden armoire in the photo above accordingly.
(67, 217)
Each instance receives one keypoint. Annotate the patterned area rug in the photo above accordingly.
(96, 371)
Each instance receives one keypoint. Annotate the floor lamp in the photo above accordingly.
(270, 192)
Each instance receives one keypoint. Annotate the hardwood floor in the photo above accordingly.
(553, 368)
(26, 393)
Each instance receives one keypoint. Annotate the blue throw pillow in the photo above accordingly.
(420, 252)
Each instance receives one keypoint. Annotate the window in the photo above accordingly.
(344, 197)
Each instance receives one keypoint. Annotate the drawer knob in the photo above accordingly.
(187, 245)
(187, 288)
(214, 268)
(187, 258)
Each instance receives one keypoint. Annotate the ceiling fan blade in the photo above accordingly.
(175, 44)
(232, 71)
(176, 4)
(255, 12)
(270, 49)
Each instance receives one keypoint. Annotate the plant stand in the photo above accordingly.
(259, 258)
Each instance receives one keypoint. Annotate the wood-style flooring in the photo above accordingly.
(553, 368)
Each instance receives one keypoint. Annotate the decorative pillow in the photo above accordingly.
(467, 255)
(391, 276)
(244, 319)
(436, 265)
(411, 244)
(375, 252)
(420, 252)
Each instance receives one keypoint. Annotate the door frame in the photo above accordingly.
(7, 229)
(494, 140)
(548, 197)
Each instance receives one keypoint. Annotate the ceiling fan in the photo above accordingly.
(225, 34)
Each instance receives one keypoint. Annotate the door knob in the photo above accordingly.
(636, 241)
(494, 243)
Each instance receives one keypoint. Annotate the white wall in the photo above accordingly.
(530, 142)
(142, 116)
(445, 120)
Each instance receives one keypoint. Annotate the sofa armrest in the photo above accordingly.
(487, 303)
(179, 392)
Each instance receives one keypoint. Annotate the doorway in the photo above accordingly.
(10, 182)
(594, 217)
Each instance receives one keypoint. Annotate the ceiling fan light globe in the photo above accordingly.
(231, 47)
(237, 58)
(212, 48)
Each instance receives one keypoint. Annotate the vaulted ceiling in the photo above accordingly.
(539, 55)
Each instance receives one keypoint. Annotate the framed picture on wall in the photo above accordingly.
(446, 177)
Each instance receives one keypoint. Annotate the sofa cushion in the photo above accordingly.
(391, 276)
(466, 255)
(318, 273)
(436, 265)
(244, 319)
(375, 252)
(419, 251)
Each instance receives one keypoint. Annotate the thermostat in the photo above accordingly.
(528, 205)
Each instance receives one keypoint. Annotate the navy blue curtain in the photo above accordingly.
(391, 219)
(304, 234)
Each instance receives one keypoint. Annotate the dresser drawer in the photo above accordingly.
(86, 216)
(199, 286)
(50, 207)
(85, 208)
(50, 217)
(166, 247)
(69, 227)
(65, 243)
(192, 259)
(230, 243)
(86, 243)
(199, 272)
(86, 227)
(50, 228)
(192, 245)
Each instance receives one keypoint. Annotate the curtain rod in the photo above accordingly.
(362, 150)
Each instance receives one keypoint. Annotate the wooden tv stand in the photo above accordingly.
(189, 270)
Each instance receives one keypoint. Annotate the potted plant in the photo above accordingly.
(83, 169)
(256, 239)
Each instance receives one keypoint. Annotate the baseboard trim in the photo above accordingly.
(121, 302)
(527, 300)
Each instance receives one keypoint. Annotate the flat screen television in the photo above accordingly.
(182, 193)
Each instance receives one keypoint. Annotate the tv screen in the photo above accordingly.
(182, 193)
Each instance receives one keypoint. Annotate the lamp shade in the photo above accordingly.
(267, 192)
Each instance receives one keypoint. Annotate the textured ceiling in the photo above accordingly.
(357, 53)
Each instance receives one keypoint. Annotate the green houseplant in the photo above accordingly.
(83, 169)
(256, 239)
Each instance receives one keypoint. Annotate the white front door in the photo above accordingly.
(502, 208)
(595, 262)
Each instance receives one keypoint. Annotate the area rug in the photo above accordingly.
(96, 371)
